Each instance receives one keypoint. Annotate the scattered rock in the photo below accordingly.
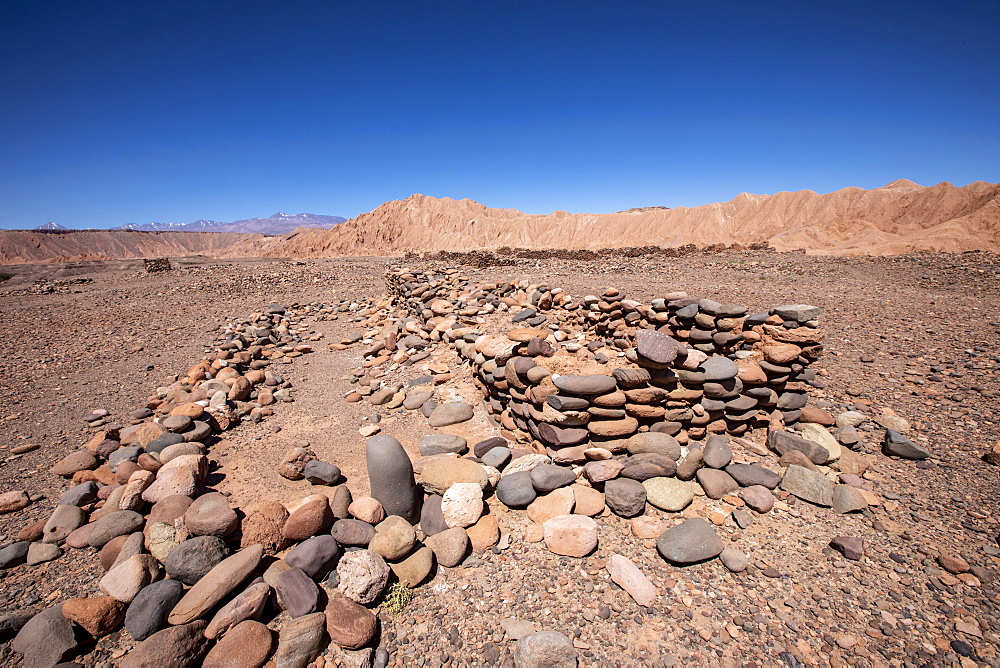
(570, 535)
(851, 547)
(627, 575)
(689, 542)
(545, 649)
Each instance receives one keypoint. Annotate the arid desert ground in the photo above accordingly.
(917, 336)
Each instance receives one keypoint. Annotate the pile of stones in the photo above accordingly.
(186, 574)
(156, 265)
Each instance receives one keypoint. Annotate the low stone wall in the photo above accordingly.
(684, 366)
(155, 265)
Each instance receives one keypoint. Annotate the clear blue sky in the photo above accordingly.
(130, 112)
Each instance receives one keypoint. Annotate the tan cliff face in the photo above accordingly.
(901, 217)
(898, 218)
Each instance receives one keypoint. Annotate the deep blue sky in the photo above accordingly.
(130, 112)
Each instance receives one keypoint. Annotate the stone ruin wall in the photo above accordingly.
(686, 367)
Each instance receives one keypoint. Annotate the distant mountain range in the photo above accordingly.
(276, 225)
(279, 223)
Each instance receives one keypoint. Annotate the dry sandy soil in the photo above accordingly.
(916, 334)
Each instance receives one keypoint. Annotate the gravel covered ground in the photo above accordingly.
(919, 335)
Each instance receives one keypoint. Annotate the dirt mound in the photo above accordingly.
(898, 218)
(19, 246)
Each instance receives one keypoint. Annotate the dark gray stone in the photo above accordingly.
(688, 311)
(625, 497)
(899, 445)
(321, 473)
(128, 454)
(431, 517)
(524, 314)
(723, 389)
(748, 475)
(592, 384)
(716, 483)
(791, 401)
(355, 533)
(547, 477)
(160, 442)
(439, 444)
(718, 368)
(149, 610)
(390, 473)
(800, 313)
(497, 457)
(783, 442)
(190, 560)
(14, 554)
(482, 447)
(515, 490)
(315, 556)
(717, 453)
(561, 403)
(80, 495)
(689, 542)
(115, 524)
(297, 592)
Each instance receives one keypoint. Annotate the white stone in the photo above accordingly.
(462, 504)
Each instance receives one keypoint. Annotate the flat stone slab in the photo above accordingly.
(591, 384)
(808, 485)
(689, 542)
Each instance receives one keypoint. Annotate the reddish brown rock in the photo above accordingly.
(264, 526)
(351, 626)
(173, 647)
(32, 532)
(246, 645)
(312, 518)
(99, 616)
(817, 416)
(76, 461)
(485, 533)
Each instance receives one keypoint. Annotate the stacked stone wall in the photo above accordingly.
(685, 366)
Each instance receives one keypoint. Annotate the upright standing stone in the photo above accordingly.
(390, 474)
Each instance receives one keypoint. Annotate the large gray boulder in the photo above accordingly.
(390, 474)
